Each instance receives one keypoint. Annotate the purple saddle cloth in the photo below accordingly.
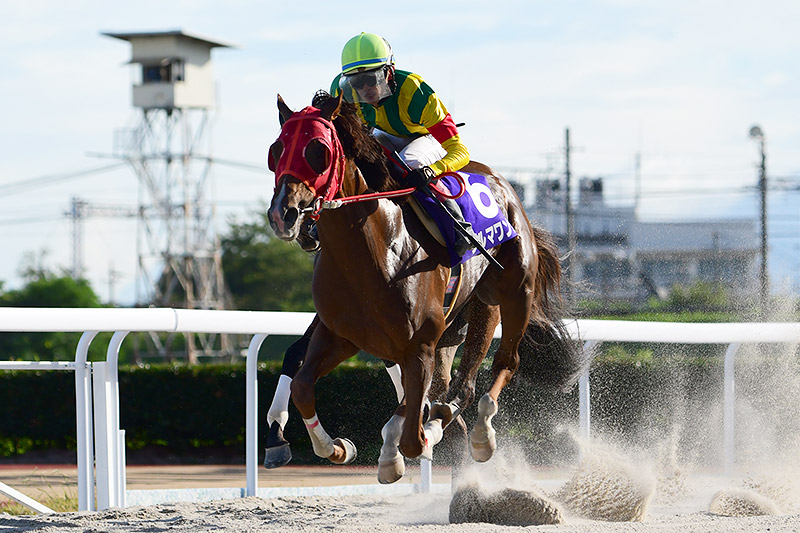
(479, 209)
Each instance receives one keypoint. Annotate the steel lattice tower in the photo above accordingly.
(169, 149)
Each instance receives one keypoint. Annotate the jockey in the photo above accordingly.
(405, 115)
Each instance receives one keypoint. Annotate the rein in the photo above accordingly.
(319, 204)
(309, 125)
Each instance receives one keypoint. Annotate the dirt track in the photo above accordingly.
(38, 481)
(419, 513)
(366, 513)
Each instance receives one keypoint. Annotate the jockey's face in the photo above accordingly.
(368, 86)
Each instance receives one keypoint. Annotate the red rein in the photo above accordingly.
(299, 130)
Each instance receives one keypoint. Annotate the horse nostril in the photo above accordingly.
(290, 216)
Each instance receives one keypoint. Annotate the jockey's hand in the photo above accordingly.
(420, 177)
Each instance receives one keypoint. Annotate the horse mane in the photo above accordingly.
(360, 146)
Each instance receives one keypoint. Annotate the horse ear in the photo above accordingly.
(330, 109)
(283, 111)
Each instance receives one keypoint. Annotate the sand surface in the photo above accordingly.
(374, 514)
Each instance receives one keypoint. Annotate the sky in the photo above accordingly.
(677, 83)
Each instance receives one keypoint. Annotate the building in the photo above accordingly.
(621, 258)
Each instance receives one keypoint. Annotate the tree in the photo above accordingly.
(45, 289)
(699, 295)
(263, 272)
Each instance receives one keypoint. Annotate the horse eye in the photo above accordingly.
(274, 155)
(317, 156)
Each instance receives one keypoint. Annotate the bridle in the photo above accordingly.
(296, 134)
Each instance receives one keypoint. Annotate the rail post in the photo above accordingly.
(584, 397)
(83, 420)
(251, 414)
(728, 403)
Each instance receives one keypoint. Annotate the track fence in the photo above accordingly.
(101, 442)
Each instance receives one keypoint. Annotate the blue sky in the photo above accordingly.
(679, 82)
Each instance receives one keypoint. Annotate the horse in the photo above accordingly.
(379, 283)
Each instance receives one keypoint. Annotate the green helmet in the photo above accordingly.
(366, 50)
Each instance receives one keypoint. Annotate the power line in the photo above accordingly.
(239, 164)
(32, 183)
(29, 220)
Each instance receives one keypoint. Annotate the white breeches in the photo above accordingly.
(419, 152)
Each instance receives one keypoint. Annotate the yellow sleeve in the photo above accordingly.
(457, 156)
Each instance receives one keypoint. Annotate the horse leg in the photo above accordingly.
(278, 452)
(391, 466)
(325, 352)
(455, 431)
(515, 313)
(417, 375)
(482, 322)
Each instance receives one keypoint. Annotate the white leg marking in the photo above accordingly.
(397, 379)
(433, 435)
(279, 410)
(391, 466)
(482, 437)
(321, 441)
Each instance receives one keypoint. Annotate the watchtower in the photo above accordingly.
(179, 257)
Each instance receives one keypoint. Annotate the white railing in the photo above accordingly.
(108, 455)
(103, 461)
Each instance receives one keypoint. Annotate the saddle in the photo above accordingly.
(478, 207)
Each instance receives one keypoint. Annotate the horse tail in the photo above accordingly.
(549, 356)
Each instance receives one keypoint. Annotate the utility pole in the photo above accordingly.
(79, 210)
(637, 184)
(113, 276)
(757, 134)
(570, 215)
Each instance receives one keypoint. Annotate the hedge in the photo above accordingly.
(175, 412)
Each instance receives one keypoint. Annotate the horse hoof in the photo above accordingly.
(445, 412)
(277, 456)
(350, 451)
(391, 471)
(483, 451)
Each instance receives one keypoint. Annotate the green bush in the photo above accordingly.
(190, 413)
(177, 412)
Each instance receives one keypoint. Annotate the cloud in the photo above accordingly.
(681, 82)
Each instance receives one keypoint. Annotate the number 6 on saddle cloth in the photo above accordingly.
(478, 207)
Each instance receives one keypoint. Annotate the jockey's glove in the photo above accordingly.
(421, 177)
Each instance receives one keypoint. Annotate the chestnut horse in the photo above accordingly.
(379, 284)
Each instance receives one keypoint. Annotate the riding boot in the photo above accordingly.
(461, 245)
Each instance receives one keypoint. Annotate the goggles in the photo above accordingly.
(364, 79)
(368, 87)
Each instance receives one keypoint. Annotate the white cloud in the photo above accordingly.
(681, 81)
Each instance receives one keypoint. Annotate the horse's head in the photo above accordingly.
(308, 162)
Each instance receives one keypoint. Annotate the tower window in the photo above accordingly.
(167, 71)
